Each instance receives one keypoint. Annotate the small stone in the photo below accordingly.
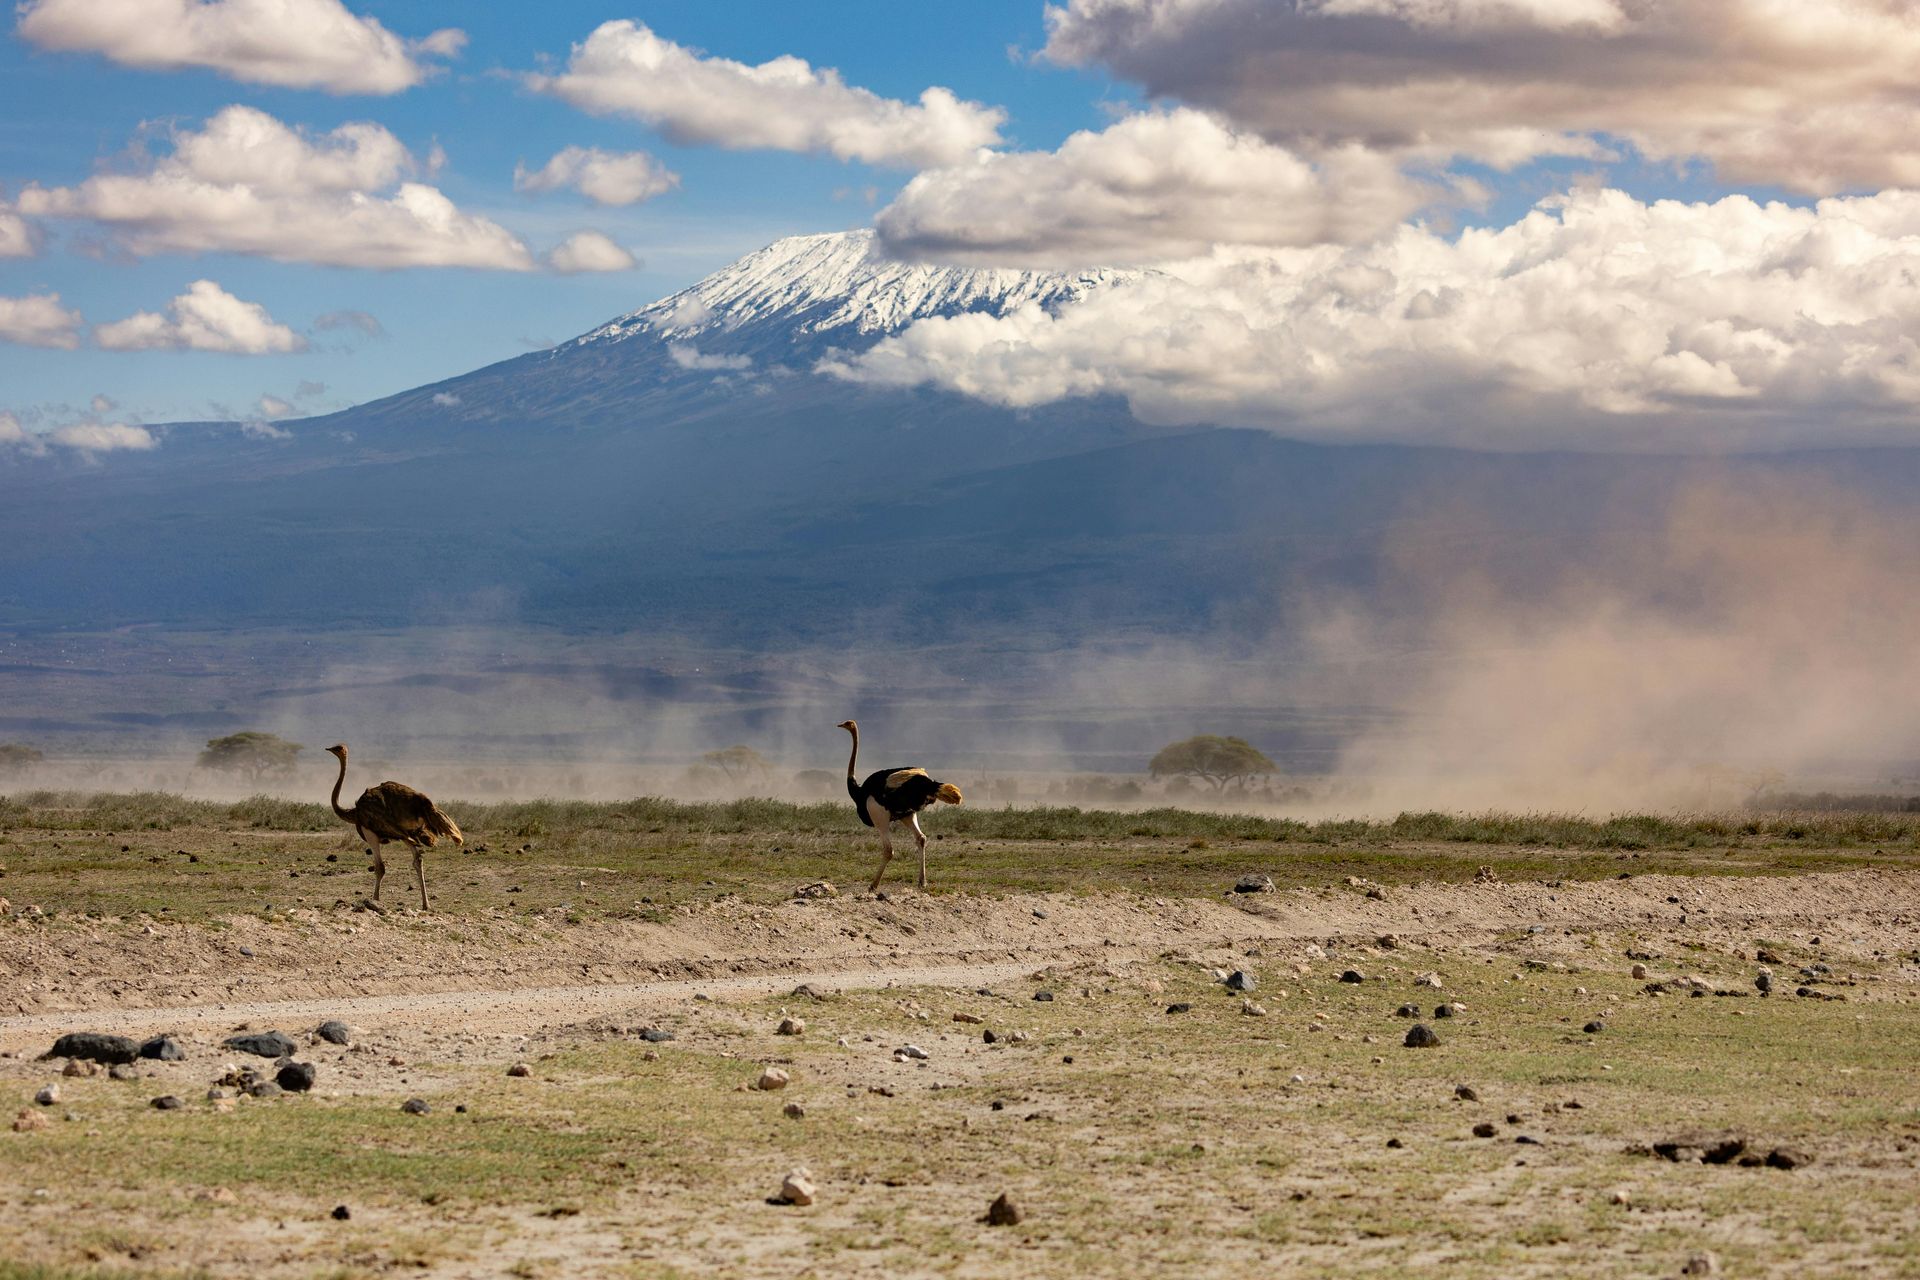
(334, 1031)
(341, 1213)
(772, 1078)
(1594, 1028)
(968, 1017)
(1526, 1141)
(1701, 1264)
(1466, 1093)
(1179, 1006)
(1763, 982)
(415, 1107)
(263, 1044)
(1240, 980)
(1484, 1129)
(791, 1027)
(28, 1121)
(817, 889)
(1787, 1158)
(655, 1035)
(166, 1102)
(989, 1036)
(807, 991)
(1620, 1197)
(519, 1071)
(48, 1095)
(913, 1051)
(1251, 1010)
(1639, 972)
(1003, 1212)
(94, 1047)
(1395, 1144)
(1421, 1036)
(797, 1187)
(267, 1089)
(1351, 975)
(1428, 980)
(794, 1111)
(163, 1049)
(1043, 996)
(1765, 956)
(1407, 1011)
(296, 1077)
(1254, 883)
(79, 1067)
(122, 1071)
(1447, 1010)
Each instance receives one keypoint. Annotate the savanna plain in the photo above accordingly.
(1663, 1045)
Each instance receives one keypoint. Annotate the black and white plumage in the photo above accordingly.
(894, 795)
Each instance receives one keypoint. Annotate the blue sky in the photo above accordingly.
(63, 114)
(1684, 220)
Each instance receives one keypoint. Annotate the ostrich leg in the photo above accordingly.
(886, 856)
(420, 876)
(920, 838)
(379, 863)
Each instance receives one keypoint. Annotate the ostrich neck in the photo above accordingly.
(337, 784)
(855, 753)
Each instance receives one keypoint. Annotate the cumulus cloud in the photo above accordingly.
(623, 68)
(688, 356)
(301, 44)
(100, 437)
(588, 251)
(1815, 95)
(17, 238)
(446, 399)
(38, 320)
(272, 406)
(204, 318)
(603, 177)
(248, 183)
(1150, 188)
(1595, 321)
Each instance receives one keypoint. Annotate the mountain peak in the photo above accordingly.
(838, 287)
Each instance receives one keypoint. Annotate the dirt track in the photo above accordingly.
(497, 973)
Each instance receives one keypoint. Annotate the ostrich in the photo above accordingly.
(393, 811)
(890, 796)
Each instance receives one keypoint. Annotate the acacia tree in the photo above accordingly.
(16, 756)
(738, 763)
(251, 754)
(1219, 760)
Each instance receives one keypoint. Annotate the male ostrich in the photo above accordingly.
(894, 795)
(389, 812)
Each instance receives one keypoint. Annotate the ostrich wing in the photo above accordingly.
(398, 812)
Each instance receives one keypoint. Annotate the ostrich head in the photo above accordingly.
(849, 725)
(338, 749)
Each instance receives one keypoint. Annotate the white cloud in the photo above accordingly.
(588, 251)
(603, 177)
(1150, 188)
(12, 434)
(302, 44)
(1815, 95)
(17, 238)
(247, 183)
(445, 399)
(1596, 321)
(101, 437)
(623, 68)
(271, 407)
(361, 321)
(38, 320)
(103, 403)
(688, 356)
(204, 318)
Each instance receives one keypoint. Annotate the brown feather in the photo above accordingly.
(395, 811)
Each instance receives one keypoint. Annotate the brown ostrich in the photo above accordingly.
(894, 795)
(393, 812)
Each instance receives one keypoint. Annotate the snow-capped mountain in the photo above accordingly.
(838, 288)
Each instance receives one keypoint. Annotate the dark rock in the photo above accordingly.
(1594, 1028)
(1395, 1143)
(1513, 1117)
(807, 991)
(1352, 975)
(1466, 1093)
(1043, 995)
(415, 1107)
(1004, 1212)
(1787, 1158)
(1179, 1006)
(163, 1049)
(267, 1089)
(1443, 1011)
(296, 1077)
(1526, 1141)
(333, 1031)
(1253, 883)
(1763, 982)
(341, 1213)
(1484, 1129)
(1240, 980)
(990, 1036)
(166, 1102)
(1407, 1011)
(1421, 1036)
(93, 1047)
(655, 1035)
(262, 1044)
(1765, 956)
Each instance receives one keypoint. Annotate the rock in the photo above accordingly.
(1003, 1212)
(48, 1095)
(122, 1071)
(79, 1067)
(217, 1195)
(807, 991)
(1407, 1011)
(296, 1077)
(415, 1107)
(797, 1187)
(1448, 1010)
(166, 1102)
(1594, 1028)
(1043, 995)
(772, 1078)
(1240, 980)
(1701, 1264)
(1486, 875)
(913, 1051)
(341, 1213)
(1484, 1129)
(1621, 1197)
(1251, 1010)
(267, 1089)
(1466, 1093)
(1787, 1158)
(1421, 1036)
(1763, 982)
(794, 1111)
(989, 1036)
(519, 1071)
(655, 1035)
(1525, 1141)
(1765, 956)
(817, 889)
(262, 1044)
(334, 1031)
(1254, 883)
(1427, 980)
(163, 1049)
(94, 1047)
(1179, 1006)
(28, 1121)
(1352, 975)
(972, 1018)
(1639, 972)
(1395, 1144)
(791, 1027)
